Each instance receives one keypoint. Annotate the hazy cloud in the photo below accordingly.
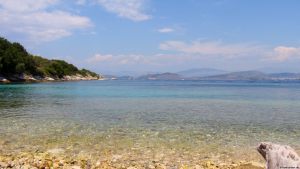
(100, 58)
(129, 9)
(283, 53)
(80, 2)
(166, 30)
(120, 59)
(140, 60)
(210, 48)
(26, 5)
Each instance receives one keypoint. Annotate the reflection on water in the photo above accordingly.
(183, 119)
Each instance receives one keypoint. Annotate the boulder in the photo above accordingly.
(278, 156)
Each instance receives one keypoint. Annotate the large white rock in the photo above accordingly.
(279, 156)
(2, 79)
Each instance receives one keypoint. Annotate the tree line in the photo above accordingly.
(14, 59)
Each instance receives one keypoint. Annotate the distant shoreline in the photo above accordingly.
(32, 79)
(5, 80)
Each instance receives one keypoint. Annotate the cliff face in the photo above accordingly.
(16, 64)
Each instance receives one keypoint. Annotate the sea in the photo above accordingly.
(149, 120)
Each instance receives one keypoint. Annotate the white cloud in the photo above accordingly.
(238, 51)
(198, 54)
(100, 58)
(32, 19)
(210, 48)
(283, 53)
(132, 59)
(26, 5)
(120, 59)
(80, 2)
(165, 30)
(130, 9)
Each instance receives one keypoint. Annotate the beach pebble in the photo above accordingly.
(3, 165)
(151, 166)
(56, 151)
(250, 165)
(198, 167)
(131, 168)
(75, 167)
(26, 167)
(115, 158)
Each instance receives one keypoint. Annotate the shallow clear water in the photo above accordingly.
(179, 118)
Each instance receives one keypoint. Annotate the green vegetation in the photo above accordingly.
(14, 59)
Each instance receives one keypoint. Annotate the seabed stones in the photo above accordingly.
(56, 159)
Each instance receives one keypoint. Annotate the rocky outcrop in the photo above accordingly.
(80, 77)
(279, 156)
(31, 78)
(3, 80)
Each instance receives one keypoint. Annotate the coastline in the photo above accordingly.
(31, 78)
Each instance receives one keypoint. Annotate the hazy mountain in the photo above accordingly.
(287, 76)
(243, 75)
(134, 74)
(202, 72)
(112, 77)
(279, 69)
(161, 76)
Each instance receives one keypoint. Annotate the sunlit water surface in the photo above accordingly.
(149, 119)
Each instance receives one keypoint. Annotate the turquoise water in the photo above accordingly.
(186, 118)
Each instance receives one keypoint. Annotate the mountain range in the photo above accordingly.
(201, 72)
(215, 74)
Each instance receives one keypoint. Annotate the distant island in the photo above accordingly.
(17, 65)
(161, 76)
(214, 75)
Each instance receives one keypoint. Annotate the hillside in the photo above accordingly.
(242, 75)
(285, 76)
(16, 64)
(232, 76)
(202, 72)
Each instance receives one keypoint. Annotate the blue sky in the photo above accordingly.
(111, 36)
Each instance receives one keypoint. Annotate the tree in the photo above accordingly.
(14, 59)
(20, 68)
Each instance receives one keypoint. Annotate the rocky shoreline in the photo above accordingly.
(57, 160)
(31, 78)
(275, 156)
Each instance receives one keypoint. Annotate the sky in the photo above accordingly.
(114, 36)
